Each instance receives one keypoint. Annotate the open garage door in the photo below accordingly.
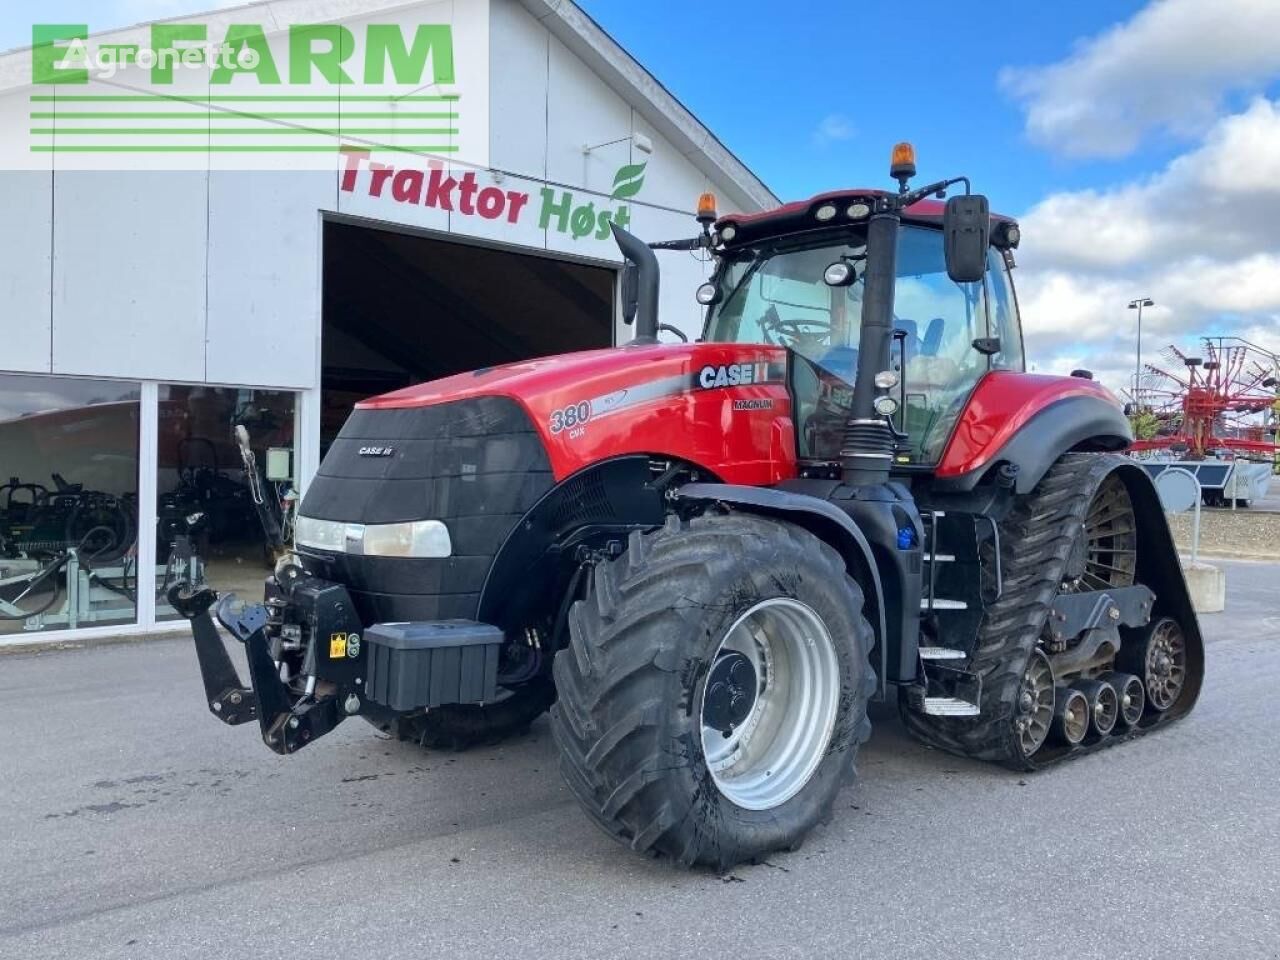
(399, 309)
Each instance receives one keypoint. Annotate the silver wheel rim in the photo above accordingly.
(767, 757)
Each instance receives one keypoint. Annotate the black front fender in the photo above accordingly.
(824, 520)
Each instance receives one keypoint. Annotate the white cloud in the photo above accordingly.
(1198, 236)
(1168, 68)
(1221, 198)
(834, 127)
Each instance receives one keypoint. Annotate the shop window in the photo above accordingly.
(68, 503)
(224, 485)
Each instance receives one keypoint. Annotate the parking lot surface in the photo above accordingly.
(133, 825)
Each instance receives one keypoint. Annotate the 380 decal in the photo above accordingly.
(574, 415)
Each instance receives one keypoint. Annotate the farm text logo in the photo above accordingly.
(322, 52)
(461, 192)
(241, 89)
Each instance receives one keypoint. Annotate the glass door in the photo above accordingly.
(225, 478)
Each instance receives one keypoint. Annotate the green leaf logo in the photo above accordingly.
(628, 181)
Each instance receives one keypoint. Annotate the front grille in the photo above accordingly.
(477, 465)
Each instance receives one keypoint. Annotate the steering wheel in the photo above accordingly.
(772, 324)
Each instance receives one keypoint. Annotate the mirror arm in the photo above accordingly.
(915, 196)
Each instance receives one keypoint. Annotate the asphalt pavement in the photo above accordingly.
(133, 825)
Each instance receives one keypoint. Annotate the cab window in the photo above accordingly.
(937, 321)
(1004, 314)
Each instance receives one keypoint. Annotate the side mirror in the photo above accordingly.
(630, 292)
(966, 235)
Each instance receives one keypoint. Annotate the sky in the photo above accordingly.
(1137, 141)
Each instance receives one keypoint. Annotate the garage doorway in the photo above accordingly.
(400, 309)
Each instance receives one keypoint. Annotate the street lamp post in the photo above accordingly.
(1137, 369)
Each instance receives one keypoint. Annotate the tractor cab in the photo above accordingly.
(796, 277)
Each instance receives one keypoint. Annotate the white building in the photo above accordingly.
(144, 313)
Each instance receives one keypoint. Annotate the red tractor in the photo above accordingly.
(707, 558)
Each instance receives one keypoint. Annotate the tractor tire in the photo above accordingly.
(1037, 538)
(462, 726)
(657, 651)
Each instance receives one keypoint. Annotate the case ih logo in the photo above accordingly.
(459, 192)
(733, 375)
(376, 451)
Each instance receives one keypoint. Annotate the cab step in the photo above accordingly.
(949, 707)
(937, 603)
(941, 653)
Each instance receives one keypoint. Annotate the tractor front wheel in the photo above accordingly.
(715, 692)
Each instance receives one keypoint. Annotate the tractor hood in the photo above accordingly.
(530, 380)
(708, 403)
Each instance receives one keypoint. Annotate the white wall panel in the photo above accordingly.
(517, 90)
(264, 276)
(669, 179)
(26, 231)
(583, 111)
(129, 274)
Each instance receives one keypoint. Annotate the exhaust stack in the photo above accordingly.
(644, 282)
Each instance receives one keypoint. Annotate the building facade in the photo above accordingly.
(147, 315)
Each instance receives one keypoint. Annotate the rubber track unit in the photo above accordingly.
(1036, 540)
(627, 720)
(462, 726)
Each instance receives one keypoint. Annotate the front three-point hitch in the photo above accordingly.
(289, 719)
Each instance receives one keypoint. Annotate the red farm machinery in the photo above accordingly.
(706, 558)
(1214, 414)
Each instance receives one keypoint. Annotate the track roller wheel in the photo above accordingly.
(1070, 716)
(1035, 703)
(1104, 704)
(1132, 697)
(1161, 662)
(714, 694)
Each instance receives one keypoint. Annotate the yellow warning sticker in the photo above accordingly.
(337, 646)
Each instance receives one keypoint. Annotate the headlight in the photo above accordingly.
(728, 232)
(886, 379)
(825, 212)
(838, 274)
(707, 294)
(415, 538)
(886, 406)
(858, 211)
